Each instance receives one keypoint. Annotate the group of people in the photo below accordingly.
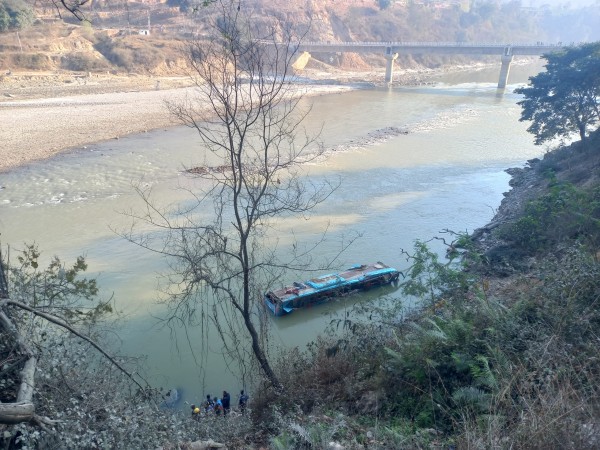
(219, 406)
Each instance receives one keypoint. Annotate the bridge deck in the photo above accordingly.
(463, 48)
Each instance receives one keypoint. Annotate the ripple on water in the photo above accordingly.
(56, 199)
(444, 119)
(82, 197)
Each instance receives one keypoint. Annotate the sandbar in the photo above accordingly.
(41, 118)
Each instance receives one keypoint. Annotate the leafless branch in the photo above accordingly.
(247, 112)
(58, 321)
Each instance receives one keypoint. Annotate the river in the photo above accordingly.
(446, 173)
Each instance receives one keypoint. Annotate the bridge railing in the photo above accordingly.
(424, 44)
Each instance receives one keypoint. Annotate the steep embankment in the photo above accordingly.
(75, 48)
(577, 164)
(502, 355)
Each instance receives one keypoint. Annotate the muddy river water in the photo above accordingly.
(447, 172)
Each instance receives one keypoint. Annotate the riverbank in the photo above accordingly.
(46, 115)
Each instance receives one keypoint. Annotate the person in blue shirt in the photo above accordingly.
(243, 401)
(226, 401)
(218, 406)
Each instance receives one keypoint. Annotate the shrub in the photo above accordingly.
(83, 63)
(15, 14)
(566, 212)
(33, 61)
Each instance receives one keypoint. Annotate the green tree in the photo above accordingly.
(4, 18)
(565, 98)
(57, 295)
(57, 393)
(15, 14)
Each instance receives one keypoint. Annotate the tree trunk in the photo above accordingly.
(12, 413)
(582, 132)
(260, 355)
(23, 410)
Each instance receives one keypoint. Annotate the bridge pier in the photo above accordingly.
(301, 61)
(506, 59)
(389, 68)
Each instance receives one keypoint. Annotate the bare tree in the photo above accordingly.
(248, 116)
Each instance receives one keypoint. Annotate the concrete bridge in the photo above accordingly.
(391, 50)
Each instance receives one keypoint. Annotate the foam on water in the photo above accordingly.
(445, 119)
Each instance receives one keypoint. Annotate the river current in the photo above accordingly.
(446, 172)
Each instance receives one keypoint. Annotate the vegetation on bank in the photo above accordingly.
(564, 99)
(82, 400)
(505, 356)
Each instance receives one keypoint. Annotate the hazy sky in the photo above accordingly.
(561, 3)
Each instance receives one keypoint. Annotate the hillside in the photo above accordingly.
(577, 164)
(111, 41)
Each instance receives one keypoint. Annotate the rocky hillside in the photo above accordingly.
(67, 47)
(500, 241)
(114, 39)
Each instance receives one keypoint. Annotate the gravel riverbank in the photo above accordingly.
(44, 115)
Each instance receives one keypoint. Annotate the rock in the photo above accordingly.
(370, 402)
(171, 398)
